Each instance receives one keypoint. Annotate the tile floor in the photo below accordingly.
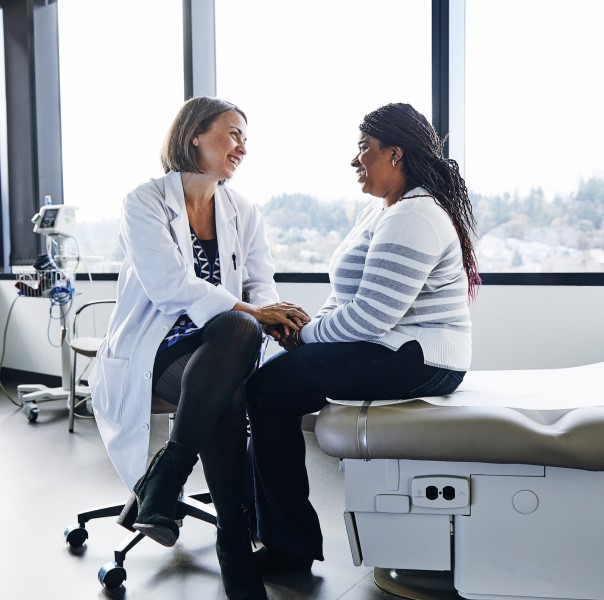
(48, 475)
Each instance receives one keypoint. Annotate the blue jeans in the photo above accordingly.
(292, 384)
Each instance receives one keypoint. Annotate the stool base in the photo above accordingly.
(416, 585)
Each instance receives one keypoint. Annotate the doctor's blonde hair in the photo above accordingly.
(195, 117)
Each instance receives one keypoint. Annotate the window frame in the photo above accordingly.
(199, 49)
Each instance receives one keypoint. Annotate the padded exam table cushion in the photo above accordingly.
(482, 430)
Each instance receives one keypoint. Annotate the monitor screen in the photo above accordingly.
(49, 218)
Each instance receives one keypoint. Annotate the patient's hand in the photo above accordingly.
(275, 331)
(278, 333)
(287, 341)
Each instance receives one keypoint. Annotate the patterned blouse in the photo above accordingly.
(207, 266)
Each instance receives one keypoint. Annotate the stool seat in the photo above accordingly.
(161, 407)
(417, 430)
(87, 346)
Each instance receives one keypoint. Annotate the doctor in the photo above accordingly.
(194, 289)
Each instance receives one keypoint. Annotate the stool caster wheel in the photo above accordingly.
(31, 412)
(75, 535)
(111, 575)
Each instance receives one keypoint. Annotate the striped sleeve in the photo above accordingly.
(327, 307)
(401, 255)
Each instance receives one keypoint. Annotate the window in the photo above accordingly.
(534, 162)
(121, 69)
(524, 116)
(306, 74)
(4, 219)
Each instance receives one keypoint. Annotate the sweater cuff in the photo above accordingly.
(307, 333)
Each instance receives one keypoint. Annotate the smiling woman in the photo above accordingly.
(203, 317)
(396, 324)
(374, 170)
(226, 139)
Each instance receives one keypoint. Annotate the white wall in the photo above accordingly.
(515, 327)
(31, 331)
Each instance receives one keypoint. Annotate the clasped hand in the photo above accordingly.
(280, 320)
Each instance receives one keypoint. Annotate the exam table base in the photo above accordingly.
(416, 585)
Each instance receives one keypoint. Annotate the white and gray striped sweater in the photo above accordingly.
(398, 276)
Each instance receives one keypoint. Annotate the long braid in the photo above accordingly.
(425, 165)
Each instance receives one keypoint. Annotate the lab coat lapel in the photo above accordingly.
(177, 213)
(228, 243)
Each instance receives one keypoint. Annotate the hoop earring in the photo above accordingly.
(394, 162)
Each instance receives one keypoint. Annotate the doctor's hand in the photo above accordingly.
(286, 316)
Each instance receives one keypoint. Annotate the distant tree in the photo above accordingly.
(534, 207)
(590, 201)
(517, 259)
(503, 215)
(307, 212)
(490, 211)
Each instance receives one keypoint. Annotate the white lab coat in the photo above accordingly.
(156, 283)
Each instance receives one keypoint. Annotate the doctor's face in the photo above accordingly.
(222, 147)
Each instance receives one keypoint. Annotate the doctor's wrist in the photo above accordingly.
(251, 309)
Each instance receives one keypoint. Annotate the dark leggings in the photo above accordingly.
(205, 378)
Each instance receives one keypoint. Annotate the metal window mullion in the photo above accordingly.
(440, 68)
(457, 83)
(47, 102)
(199, 47)
(4, 215)
(33, 130)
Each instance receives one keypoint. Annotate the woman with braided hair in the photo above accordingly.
(395, 326)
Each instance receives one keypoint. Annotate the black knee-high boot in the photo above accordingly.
(151, 508)
(240, 575)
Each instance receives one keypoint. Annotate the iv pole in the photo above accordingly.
(55, 221)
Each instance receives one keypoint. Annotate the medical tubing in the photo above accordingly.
(4, 391)
(60, 298)
(81, 258)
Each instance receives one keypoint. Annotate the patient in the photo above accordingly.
(396, 324)
(195, 286)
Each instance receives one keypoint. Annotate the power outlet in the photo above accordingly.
(440, 492)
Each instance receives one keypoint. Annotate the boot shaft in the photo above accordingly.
(172, 464)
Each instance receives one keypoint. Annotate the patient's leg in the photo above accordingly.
(296, 383)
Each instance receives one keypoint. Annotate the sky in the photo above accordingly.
(306, 74)
(534, 95)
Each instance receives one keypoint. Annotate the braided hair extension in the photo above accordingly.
(425, 165)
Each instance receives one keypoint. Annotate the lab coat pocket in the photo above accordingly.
(108, 401)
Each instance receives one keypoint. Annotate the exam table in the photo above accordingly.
(493, 492)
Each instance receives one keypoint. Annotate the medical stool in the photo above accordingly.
(112, 574)
(85, 346)
(475, 502)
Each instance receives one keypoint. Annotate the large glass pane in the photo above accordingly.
(306, 73)
(121, 85)
(534, 130)
(4, 220)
